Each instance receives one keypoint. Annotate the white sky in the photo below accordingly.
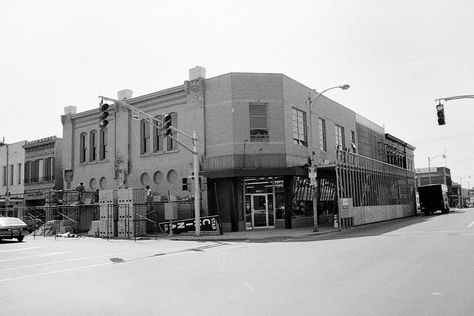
(398, 56)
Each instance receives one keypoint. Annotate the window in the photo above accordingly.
(299, 127)
(103, 143)
(19, 173)
(340, 141)
(27, 172)
(82, 148)
(10, 175)
(323, 145)
(258, 122)
(4, 175)
(32, 171)
(158, 136)
(48, 169)
(35, 171)
(92, 146)
(172, 144)
(144, 137)
(353, 141)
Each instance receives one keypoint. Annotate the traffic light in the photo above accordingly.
(104, 113)
(166, 125)
(185, 184)
(440, 112)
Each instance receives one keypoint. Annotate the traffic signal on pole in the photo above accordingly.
(166, 125)
(104, 113)
(440, 112)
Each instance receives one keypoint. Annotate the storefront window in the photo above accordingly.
(302, 205)
(279, 199)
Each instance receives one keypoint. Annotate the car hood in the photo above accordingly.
(11, 222)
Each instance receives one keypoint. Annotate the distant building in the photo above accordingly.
(11, 174)
(434, 175)
(42, 170)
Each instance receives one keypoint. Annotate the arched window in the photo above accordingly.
(93, 146)
(144, 137)
(102, 143)
(82, 147)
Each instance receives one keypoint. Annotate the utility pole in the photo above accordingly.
(7, 195)
(313, 168)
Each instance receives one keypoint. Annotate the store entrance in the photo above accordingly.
(259, 212)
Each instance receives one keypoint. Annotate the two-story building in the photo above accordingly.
(257, 136)
(42, 170)
(12, 158)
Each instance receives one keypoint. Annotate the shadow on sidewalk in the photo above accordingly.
(367, 230)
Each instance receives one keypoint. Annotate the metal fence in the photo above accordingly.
(371, 182)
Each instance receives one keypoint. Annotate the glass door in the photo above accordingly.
(259, 211)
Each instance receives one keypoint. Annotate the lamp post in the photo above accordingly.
(429, 165)
(313, 168)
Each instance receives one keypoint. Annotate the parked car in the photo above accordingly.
(12, 227)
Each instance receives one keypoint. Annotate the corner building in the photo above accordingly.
(257, 137)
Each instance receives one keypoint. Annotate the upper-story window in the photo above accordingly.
(26, 173)
(158, 137)
(93, 146)
(323, 144)
(102, 143)
(299, 127)
(340, 141)
(19, 173)
(82, 147)
(144, 137)
(171, 143)
(48, 169)
(32, 171)
(258, 122)
(353, 141)
(4, 175)
(10, 175)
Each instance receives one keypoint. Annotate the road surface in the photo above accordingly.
(414, 266)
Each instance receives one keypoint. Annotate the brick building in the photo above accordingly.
(256, 140)
(42, 170)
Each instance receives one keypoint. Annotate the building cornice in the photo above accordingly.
(40, 143)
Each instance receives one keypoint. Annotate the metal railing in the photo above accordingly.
(371, 182)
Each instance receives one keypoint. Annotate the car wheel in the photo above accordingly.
(20, 238)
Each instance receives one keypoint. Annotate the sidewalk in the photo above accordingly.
(256, 234)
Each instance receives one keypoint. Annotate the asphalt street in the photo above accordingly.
(414, 266)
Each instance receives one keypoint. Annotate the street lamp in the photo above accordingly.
(313, 173)
(429, 165)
